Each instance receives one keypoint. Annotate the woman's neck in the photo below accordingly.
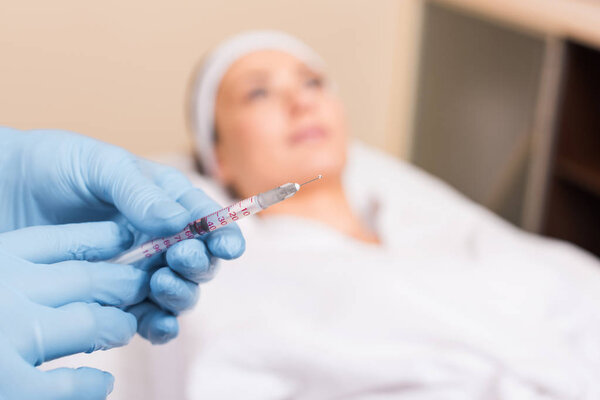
(326, 202)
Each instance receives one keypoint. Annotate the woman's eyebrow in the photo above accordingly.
(303, 69)
(251, 76)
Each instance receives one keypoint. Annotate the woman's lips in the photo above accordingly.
(308, 134)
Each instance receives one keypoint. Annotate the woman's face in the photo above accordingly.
(277, 122)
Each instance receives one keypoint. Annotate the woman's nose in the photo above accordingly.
(301, 100)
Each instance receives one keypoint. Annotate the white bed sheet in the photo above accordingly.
(456, 304)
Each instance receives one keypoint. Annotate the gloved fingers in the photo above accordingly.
(227, 242)
(80, 281)
(53, 243)
(115, 177)
(152, 263)
(17, 376)
(172, 292)
(191, 260)
(74, 384)
(20, 380)
(82, 327)
(169, 179)
(154, 324)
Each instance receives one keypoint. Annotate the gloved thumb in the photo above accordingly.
(49, 244)
(123, 183)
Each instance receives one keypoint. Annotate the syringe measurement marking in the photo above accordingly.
(155, 244)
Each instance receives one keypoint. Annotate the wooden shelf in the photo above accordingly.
(578, 20)
(576, 172)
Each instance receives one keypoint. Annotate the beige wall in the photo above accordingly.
(118, 70)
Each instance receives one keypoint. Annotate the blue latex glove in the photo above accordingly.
(54, 177)
(52, 306)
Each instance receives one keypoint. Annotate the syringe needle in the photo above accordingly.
(312, 180)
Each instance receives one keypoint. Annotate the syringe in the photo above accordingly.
(211, 222)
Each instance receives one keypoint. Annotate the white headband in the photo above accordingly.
(214, 68)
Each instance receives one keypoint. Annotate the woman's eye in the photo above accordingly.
(315, 82)
(257, 93)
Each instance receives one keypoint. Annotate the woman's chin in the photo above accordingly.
(329, 167)
(304, 163)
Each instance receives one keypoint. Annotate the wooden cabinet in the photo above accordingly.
(572, 209)
(510, 116)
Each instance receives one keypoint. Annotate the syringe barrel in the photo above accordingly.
(202, 226)
(209, 223)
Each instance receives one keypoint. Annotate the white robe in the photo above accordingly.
(456, 304)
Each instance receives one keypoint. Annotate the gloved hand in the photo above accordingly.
(54, 177)
(52, 306)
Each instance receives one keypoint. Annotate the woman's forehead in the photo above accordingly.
(261, 64)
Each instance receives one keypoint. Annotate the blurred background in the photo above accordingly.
(500, 98)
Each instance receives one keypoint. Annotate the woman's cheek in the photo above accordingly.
(268, 125)
(248, 126)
